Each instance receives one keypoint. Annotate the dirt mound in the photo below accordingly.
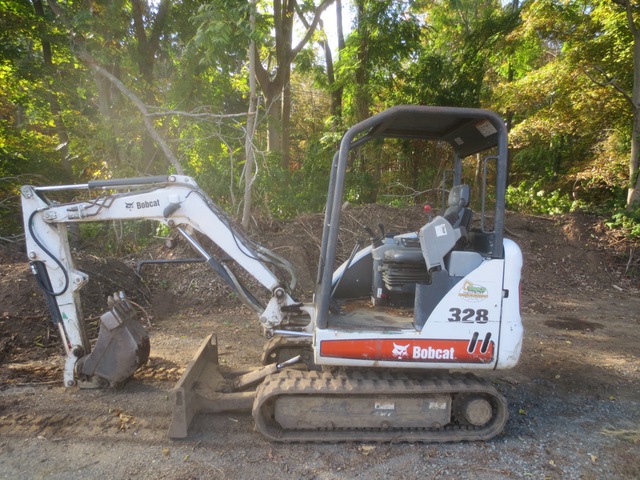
(299, 240)
(26, 331)
(571, 255)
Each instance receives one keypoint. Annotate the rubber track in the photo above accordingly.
(374, 383)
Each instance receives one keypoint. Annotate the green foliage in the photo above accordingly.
(628, 221)
(120, 237)
(532, 198)
(568, 64)
(285, 194)
(223, 33)
(370, 68)
(554, 69)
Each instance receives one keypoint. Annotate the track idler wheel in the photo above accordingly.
(477, 411)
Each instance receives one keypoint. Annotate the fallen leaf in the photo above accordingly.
(593, 457)
(366, 449)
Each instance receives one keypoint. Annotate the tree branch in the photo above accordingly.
(160, 112)
(626, 4)
(85, 57)
(310, 27)
(610, 82)
(261, 72)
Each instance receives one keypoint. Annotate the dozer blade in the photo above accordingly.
(203, 389)
(122, 347)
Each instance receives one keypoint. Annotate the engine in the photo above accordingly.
(398, 264)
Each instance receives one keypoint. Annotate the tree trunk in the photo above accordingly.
(276, 86)
(336, 92)
(272, 91)
(362, 100)
(110, 122)
(147, 46)
(54, 105)
(340, 30)
(286, 121)
(633, 196)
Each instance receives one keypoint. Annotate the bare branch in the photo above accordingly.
(160, 112)
(85, 57)
(609, 82)
(13, 239)
(311, 27)
(413, 193)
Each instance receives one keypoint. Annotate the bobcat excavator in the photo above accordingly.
(387, 348)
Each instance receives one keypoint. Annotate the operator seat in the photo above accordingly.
(442, 234)
(442, 241)
(457, 207)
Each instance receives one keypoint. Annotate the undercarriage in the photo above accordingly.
(290, 403)
(377, 406)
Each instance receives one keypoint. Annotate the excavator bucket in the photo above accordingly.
(204, 389)
(122, 347)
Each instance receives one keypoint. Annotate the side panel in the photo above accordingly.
(511, 330)
(464, 329)
(471, 309)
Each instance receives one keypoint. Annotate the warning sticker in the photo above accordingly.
(486, 128)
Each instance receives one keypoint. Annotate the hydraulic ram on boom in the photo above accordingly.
(175, 201)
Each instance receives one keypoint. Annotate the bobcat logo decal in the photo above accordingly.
(400, 351)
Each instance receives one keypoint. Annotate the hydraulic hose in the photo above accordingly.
(48, 291)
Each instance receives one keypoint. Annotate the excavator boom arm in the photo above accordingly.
(175, 201)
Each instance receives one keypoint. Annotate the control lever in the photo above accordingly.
(375, 241)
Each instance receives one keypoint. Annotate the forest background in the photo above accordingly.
(251, 97)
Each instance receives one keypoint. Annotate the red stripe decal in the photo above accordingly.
(417, 350)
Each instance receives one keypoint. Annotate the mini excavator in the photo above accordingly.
(394, 343)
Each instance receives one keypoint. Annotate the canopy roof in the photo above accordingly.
(468, 131)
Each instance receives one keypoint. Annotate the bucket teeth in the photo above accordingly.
(122, 347)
